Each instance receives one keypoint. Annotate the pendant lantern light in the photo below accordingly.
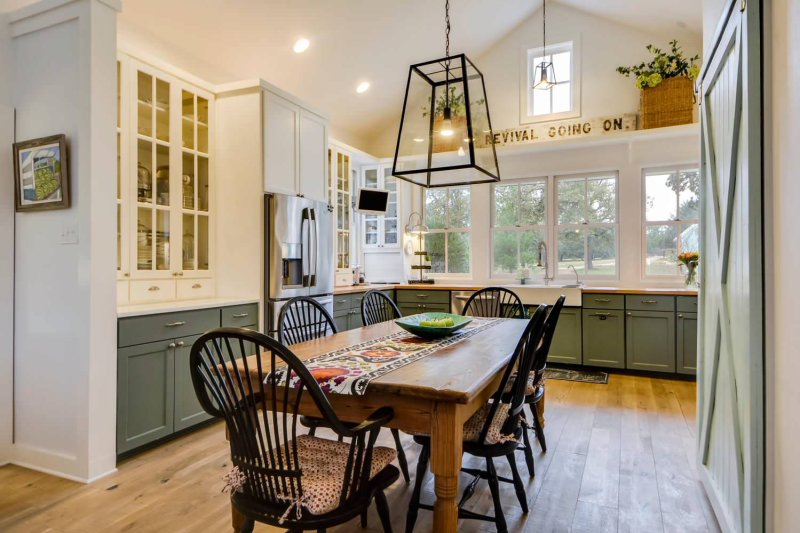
(445, 136)
(544, 75)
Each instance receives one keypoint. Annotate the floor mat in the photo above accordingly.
(576, 375)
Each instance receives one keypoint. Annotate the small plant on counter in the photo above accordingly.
(523, 273)
(664, 65)
(690, 260)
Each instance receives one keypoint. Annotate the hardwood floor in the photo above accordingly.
(621, 457)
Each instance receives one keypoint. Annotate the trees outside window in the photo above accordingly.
(586, 224)
(519, 222)
(671, 218)
(447, 214)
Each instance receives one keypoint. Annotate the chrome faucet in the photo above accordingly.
(577, 278)
(542, 247)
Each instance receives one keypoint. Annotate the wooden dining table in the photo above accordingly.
(433, 395)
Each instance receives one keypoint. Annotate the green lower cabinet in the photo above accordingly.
(188, 411)
(567, 346)
(354, 319)
(145, 392)
(650, 341)
(604, 338)
(342, 320)
(687, 343)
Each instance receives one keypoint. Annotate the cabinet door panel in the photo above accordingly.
(281, 119)
(188, 411)
(313, 156)
(355, 319)
(342, 322)
(604, 338)
(567, 341)
(145, 386)
(687, 343)
(651, 341)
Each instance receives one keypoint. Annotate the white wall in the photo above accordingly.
(783, 292)
(602, 45)
(64, 66)
(7, 245)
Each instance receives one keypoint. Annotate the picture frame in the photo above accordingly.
(41, 174)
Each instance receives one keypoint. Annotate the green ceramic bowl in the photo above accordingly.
(412, 324)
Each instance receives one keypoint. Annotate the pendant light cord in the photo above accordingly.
(544, 28)
(447, 53)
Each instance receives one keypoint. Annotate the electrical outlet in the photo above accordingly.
(69, 234)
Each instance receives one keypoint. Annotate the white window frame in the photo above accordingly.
(678, 222)
(526, 89)
(553, 259)
(519, 228)
(447, 231)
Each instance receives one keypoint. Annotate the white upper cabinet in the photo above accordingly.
(295, 149)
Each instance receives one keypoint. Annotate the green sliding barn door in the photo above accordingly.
(731, 366)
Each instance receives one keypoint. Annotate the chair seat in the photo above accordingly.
(474, 426)
(323, 463)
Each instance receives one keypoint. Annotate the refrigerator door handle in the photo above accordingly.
(314, 247)
(305, 228)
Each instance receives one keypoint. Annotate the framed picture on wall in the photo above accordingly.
(41, 174)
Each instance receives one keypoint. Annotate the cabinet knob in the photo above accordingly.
(630, 314)
(171, 345)
(197, 286)
(180, 344)
(680, 316)
(127, 274)
(153, 288)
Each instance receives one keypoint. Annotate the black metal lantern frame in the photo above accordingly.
(449, 91)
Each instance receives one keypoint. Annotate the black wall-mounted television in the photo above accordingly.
(372, 201)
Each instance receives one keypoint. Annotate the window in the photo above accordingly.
(671, 218)
(562, 99)
(447, 214)
(519, 221)
(586, 224)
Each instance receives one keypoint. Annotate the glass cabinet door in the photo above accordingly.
(390, 237)
(371, 222)
(152, 173)
(194, 183)
(343, 218)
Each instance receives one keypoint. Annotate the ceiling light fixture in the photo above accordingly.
(362, 87)
(301, 45)
(544, 75)
(452, 94)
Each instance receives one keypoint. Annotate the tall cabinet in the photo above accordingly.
(165, 186)
(381, 231)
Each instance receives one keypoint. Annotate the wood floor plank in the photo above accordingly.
(620, 457)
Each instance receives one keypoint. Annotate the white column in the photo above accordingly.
(64, 81)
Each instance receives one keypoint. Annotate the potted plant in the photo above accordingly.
(690, 260)
(523, 274)
(667, 86)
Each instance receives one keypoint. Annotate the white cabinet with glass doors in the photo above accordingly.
(341, 191)
(164, 198)
(380, 231)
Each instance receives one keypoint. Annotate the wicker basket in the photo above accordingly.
(670, 103)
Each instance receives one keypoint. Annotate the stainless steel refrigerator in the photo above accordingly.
(298, 254)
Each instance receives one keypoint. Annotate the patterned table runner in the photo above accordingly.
(349, 370)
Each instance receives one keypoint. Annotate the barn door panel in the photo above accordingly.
(731, 374)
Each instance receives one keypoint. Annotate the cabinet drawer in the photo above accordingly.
(151, 328)
(160, 290)
(341, 301)
(687, 304)
(123, 294)
(417, 308)
(414, 296)
(239, 316)
(356, 299)
(604, 301)
(189, 289)
(646, 302)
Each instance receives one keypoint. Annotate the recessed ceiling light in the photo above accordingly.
(418, 139)
(362, 87)
(301, 45)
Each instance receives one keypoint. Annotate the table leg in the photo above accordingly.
(446, 442)
(237, 520)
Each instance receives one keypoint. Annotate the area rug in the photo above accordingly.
(349, 370)
(584, 376)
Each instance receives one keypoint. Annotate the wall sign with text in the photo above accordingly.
(567, 129)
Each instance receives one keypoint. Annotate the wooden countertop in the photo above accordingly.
(465, 287)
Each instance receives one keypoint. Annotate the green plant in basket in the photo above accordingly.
(665, 64)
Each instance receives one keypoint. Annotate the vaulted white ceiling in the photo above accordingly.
(351, 41)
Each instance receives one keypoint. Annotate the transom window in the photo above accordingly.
(560, 100)
(671, 218)
(447, 214)
(586, 224)
(519, 222)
